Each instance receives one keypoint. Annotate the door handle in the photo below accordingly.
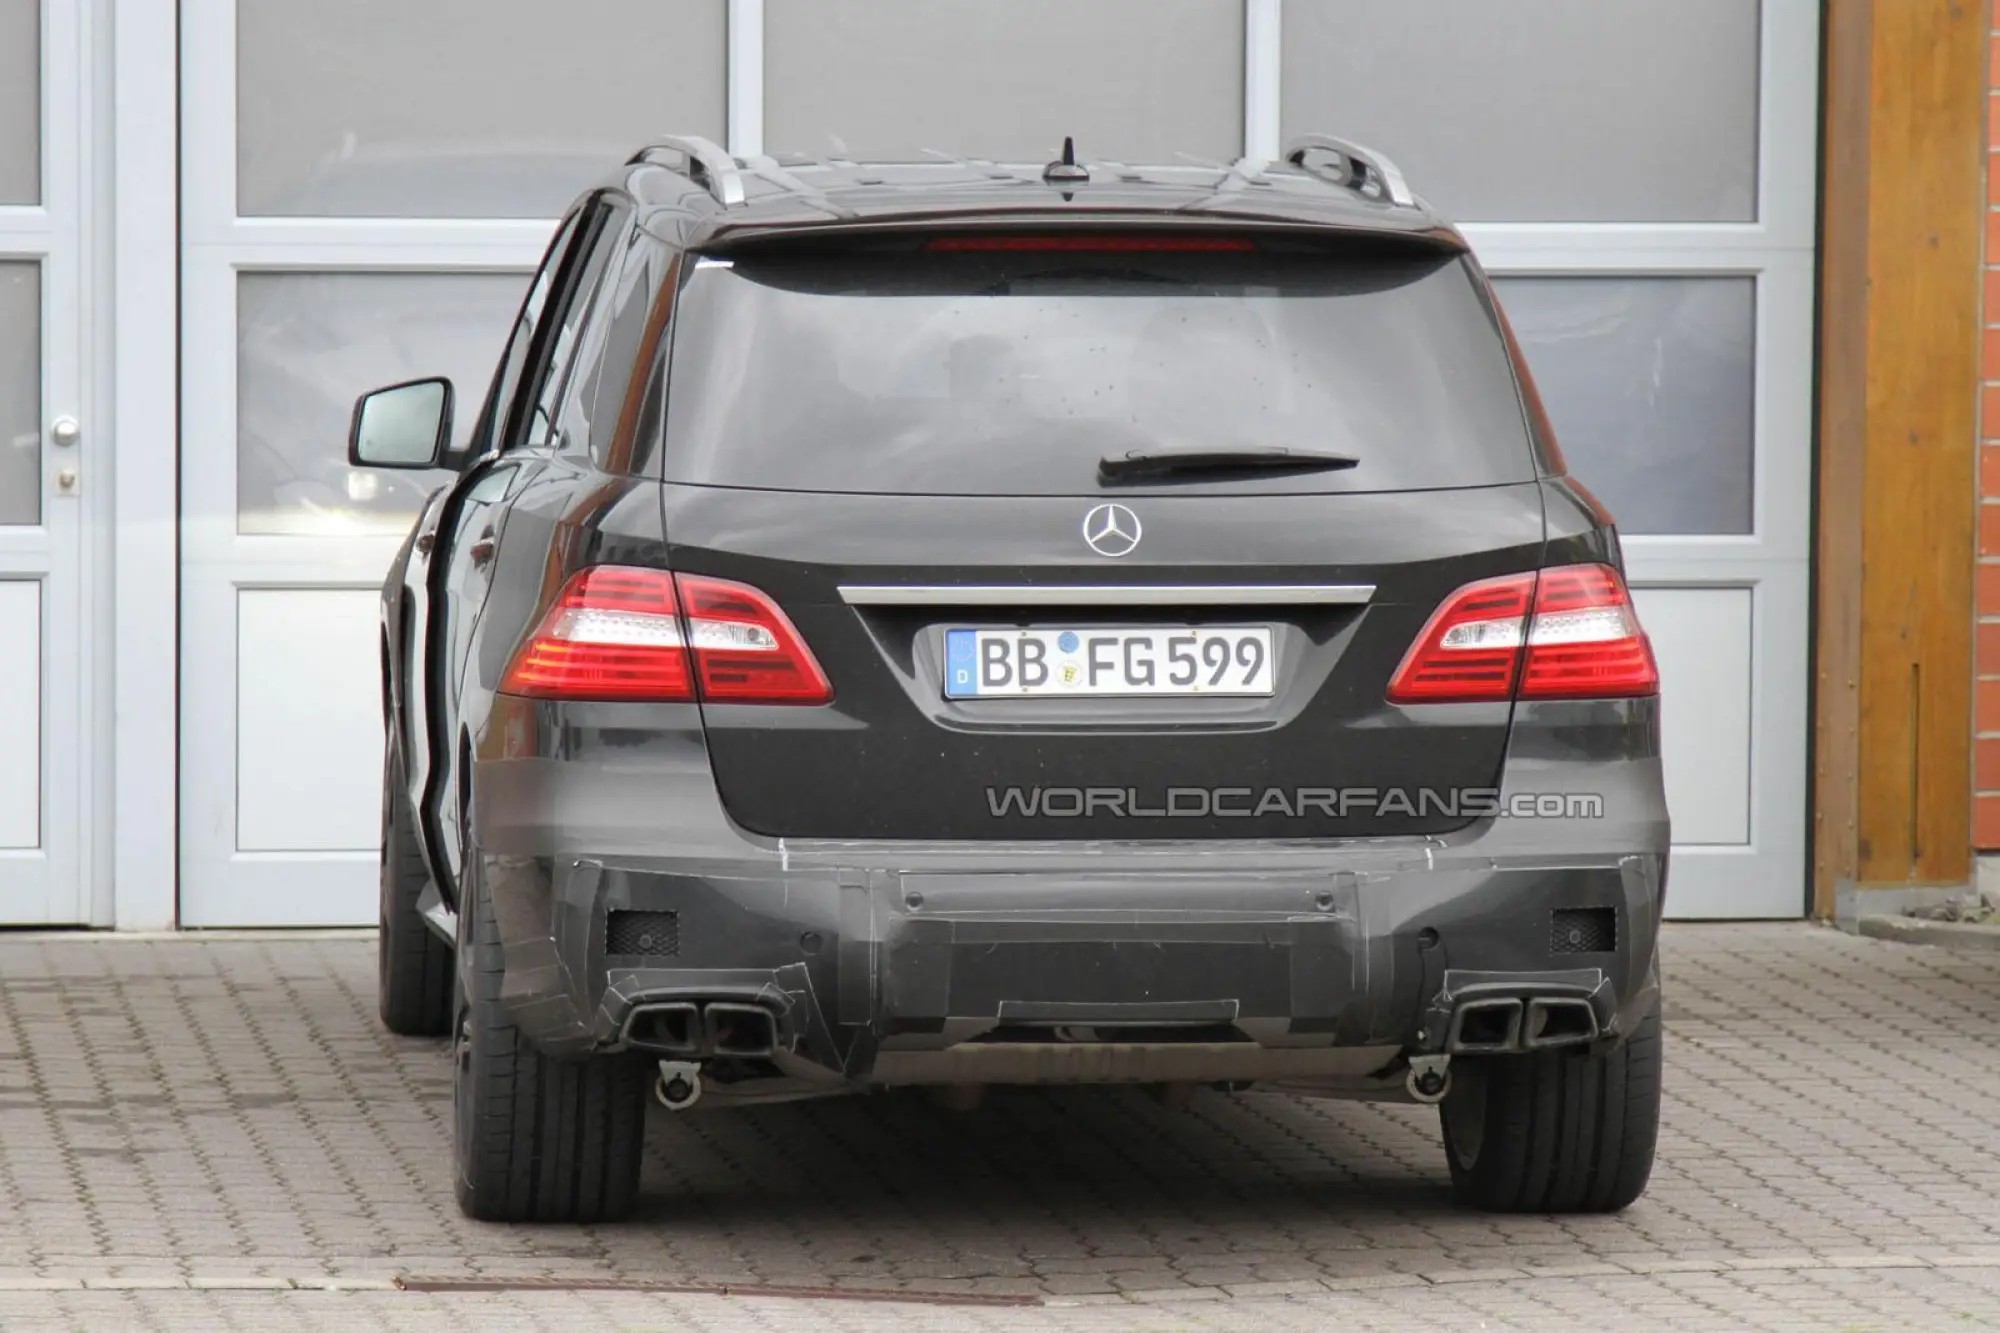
(481, 551)
(424, 542)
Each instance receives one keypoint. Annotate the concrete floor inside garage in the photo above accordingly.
(215, 1132)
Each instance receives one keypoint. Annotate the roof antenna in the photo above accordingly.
(1067, 169)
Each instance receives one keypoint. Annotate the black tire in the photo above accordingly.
(1555, 1132)
(413, 966)
(537, 1139)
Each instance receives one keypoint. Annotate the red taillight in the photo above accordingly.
(1471, 647)
(745, 648)
(1586, 642)
(621, 632)
(1576, 623)
(1089, 242)
(613, 634)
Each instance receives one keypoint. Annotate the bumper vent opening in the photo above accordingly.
(642, 935)
(1583, 930)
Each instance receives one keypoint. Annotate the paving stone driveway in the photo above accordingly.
(217, 1133)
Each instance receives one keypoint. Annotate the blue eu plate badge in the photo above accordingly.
(961, 662)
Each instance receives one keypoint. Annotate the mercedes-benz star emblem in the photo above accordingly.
(1112, 530)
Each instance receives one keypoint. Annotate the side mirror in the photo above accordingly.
(402, 426)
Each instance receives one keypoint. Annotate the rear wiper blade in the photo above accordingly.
(1155, 462)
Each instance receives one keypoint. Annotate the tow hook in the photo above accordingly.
(1429, 1078)
(679, 1085)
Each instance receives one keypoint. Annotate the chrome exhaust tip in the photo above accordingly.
(1485, 1027)
(1558, 1022)
(747, 1031)
(664, 1029)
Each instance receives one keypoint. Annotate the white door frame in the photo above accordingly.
(221, 884)
(1765, 876)
(49, 883)
(138, 396)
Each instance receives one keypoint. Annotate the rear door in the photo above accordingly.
(903, 447)
(521, 415)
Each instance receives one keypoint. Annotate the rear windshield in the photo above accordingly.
(1013, 373)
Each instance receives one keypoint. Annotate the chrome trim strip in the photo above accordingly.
(1108, 594)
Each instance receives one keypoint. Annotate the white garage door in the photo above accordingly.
(364, 184)
(1641, 179)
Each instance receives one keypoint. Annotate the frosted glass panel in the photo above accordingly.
(1540, 110)
(462, 108)
(1136, 80)
(1651, 384)
(309, 344)
(20, 102)
(20, 393)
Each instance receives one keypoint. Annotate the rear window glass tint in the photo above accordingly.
(897, 370)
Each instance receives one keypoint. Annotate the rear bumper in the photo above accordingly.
(1022, 973)
(1318, 965)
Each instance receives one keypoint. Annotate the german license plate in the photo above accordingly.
(1174, 660)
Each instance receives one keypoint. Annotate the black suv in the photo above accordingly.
(959, 624)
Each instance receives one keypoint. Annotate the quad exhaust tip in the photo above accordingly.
(1558, 1021)
(746, 1030)
(1500, 1025)
(690, 1029)
(1483, 1027)
(669, 1029)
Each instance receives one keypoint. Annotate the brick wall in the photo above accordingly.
(1986, 643)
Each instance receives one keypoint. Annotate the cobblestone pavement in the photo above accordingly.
(217, 1134)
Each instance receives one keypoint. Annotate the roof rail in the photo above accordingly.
(1361, 165)
(707, 165)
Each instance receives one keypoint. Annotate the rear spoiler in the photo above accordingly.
(726, 236)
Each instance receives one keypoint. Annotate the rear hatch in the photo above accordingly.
(1099, 535)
